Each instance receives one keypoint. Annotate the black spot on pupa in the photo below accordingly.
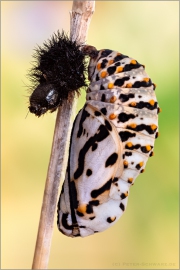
(122, 206)
(111, 160)
(104, 111)
(88, 172)
(94, 202)
(125, 135)
(104, 62)
(110, 219)
(79, 214)
(96, 113)
(91, 218)
(136, 146)
(139, 84)
(158, 110)
(129, 67)
(144, 149)
(123, 196)
(128, 154)
(120, 82)
(89, 209)
(124, 117)
(138, 167)
(125, 98)
(97, 77)
(102, 87)
(111, 70)
(103, 97)
(115, 179)
(117, 64)
(108, 125)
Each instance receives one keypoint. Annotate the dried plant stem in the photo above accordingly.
(80, 19)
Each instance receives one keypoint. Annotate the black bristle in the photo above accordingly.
(58, 74)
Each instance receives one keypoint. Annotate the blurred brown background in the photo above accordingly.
(146, 237)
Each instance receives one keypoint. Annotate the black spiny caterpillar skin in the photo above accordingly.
(59, 73)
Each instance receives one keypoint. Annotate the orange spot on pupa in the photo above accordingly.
(126, 193)
(134, 62)
(113, 218)
(125, 163)
(153, 126)
(129, 85)
(110, 85)
(98, 66)
(148, 147)
(141, 163)
(118, 53)
(113, 99)
(129, 144)
(133, 104)
(159, 110)
(130, 180)
(103, 74)
(151, 102)
(146, 79)
(119, 69)
(111, 62)
(112, 116)
(133, 125)
(82, 208)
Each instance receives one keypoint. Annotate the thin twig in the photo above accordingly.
(80, 19)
